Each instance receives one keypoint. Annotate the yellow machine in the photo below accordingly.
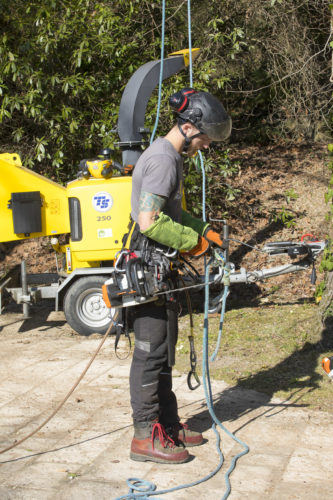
(93, 210)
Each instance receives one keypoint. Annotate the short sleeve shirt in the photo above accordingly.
(159, 170)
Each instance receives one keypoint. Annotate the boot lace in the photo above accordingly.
(182, 426)
(162, 436)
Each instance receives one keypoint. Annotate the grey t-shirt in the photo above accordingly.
(159, 170)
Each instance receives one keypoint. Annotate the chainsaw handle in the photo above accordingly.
(311, 236)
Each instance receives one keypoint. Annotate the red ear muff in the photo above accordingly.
(179, 100)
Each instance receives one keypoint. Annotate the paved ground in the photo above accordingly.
(82, 453)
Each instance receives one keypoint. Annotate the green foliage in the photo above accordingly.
(329, 193)
(64, 66)
(320, 288)
(219, 193)
(284, 215)
(326, 263)
(290, 195)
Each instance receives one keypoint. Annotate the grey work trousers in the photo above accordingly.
(151, 376)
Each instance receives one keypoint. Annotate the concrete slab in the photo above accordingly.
(83, 452)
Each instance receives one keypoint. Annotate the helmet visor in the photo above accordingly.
(217, 132)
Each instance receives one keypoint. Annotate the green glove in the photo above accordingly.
(172, 234)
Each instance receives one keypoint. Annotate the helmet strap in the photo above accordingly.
(188, 140)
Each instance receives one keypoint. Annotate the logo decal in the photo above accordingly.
(102, 201)
(104, 233)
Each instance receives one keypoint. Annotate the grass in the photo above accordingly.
(268, 349)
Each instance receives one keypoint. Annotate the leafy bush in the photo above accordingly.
(63, 69)
(64, 66)
(219, 192)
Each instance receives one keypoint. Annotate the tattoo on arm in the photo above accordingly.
(151, 202)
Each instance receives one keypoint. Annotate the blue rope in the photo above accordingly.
(191, 85)
(219, 338)
(226, 282)
(161, 75)
(205, 364)
(208, 393)
(189, 39)
(203, 186)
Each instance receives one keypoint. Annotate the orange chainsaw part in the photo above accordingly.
(106, 297)
(327, 364)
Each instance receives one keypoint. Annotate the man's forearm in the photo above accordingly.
(150, 206)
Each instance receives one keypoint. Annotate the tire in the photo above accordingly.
(84, 306)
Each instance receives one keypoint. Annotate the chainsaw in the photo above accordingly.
(133, 282)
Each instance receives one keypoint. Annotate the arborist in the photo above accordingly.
(160, 224)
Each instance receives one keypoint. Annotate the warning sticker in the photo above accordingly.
(104, 233)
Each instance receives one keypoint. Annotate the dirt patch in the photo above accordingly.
(37, 252)
(275, 182)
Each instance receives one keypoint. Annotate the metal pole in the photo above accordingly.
(226, 238)
(24, 284)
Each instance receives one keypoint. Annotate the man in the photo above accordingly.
(160, 222)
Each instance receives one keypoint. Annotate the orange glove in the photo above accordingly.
(200, 248)
(214, 237)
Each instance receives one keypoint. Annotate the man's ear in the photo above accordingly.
(187, 128)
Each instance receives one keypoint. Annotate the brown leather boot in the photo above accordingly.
(181, 434)
(151, 442)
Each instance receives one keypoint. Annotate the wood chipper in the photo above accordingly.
(93, 210)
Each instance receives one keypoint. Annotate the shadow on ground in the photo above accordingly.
(38, 316)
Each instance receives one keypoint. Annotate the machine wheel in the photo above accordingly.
(84, 307)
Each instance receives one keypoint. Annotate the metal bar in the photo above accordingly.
(272, 272)
(226, 238)
(24, 284)
(42, 278)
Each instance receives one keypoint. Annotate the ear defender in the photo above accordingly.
(179, 101)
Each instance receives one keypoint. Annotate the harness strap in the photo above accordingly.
(128, 236)
(193, 355)
(188, 140)
(123, 328)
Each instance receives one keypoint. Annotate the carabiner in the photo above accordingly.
(194, 374)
